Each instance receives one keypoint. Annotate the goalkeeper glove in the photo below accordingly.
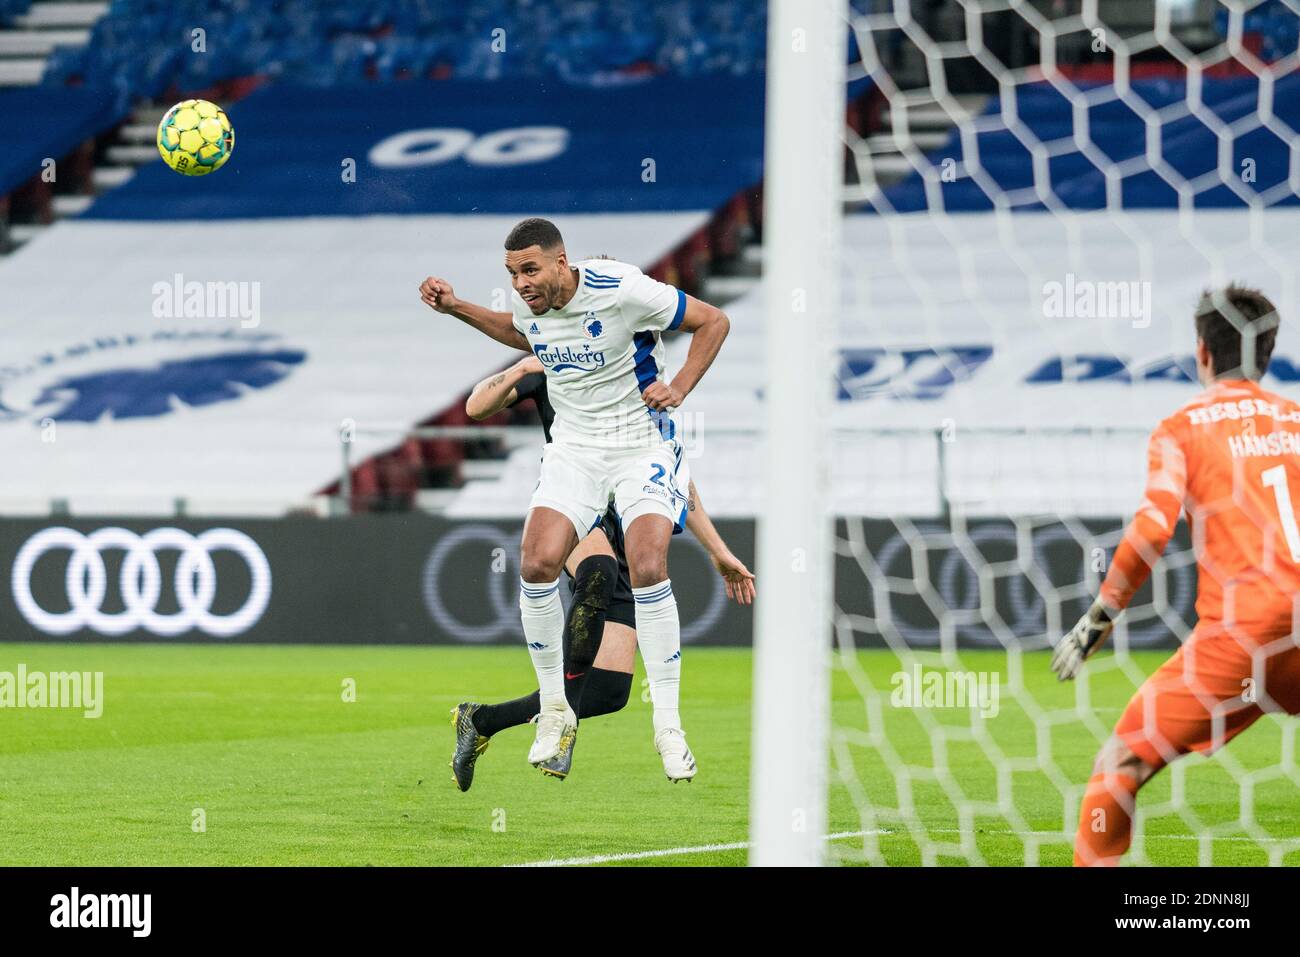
(1085, 638)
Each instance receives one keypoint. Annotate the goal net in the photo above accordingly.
(1035, 195)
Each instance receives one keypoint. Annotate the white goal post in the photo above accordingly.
(803, 171)
(968, 481)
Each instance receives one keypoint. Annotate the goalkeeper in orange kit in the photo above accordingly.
(1230, 458)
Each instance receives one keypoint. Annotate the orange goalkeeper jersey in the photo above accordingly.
(1231, 459)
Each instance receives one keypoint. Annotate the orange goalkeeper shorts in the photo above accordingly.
(1215, 687)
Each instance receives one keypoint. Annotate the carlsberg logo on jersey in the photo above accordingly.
(601, 350)
(567, 357)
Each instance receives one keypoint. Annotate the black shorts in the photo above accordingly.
(623, 611)
(623, 607)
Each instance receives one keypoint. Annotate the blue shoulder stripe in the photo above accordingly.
(680, 314)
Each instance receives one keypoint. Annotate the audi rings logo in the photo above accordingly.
(86, 581)
(992, 584)
(474, 604)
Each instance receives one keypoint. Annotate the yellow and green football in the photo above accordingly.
(195, 137)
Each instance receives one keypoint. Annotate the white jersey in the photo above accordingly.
(601, 351)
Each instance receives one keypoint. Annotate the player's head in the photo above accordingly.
(537, 263)
(1236, 328)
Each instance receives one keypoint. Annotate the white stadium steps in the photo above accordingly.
(26, 71)
(20, 233)
(889, 143)
(134, 147)
(721, 290)
(32, 37)
(61, 15)
(108, 177)
(925, 125)
(71, 205)
(39, 43)
(133, 155)
(25, 48)
(930, 115)
(136, 132)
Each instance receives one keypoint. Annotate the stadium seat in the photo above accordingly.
(134, 47)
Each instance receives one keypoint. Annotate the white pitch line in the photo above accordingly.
(635, 856)
(670, 852)
(844, 835)
(1145, 837)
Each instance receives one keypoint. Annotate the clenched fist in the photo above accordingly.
(437, 294)
(661, 397)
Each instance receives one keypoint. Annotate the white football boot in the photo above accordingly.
(679, 763)
(553, 726)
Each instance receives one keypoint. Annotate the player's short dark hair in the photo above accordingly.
(534, 232)
(1228, 320)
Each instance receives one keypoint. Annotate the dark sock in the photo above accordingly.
(605, 692)
(491, 718)
(592, 593)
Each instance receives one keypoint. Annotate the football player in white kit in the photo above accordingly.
(595, 326)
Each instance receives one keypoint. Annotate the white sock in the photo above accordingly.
(659, 636)
(543, 617)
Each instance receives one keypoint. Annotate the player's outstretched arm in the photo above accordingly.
(496, 392)
(1084, 639)
(708, 326)
(438, 295)
(739, 579)
(1144, 540)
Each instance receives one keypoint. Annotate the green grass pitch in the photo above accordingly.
(285, 771)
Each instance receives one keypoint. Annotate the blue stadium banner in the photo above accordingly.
(39, 124)
(462, 147)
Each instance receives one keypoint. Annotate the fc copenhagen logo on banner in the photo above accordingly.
(86, 581)
(133, 376)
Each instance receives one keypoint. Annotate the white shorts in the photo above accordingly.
(580, 483)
